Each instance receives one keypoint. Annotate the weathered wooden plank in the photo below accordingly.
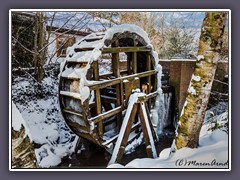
(99, 111)
(98, 98)
(122, 94)
(127, 132)
(71, 111)
(149, 84)
(134, 59)
(83, 49)
(110, 75)
(116, 73)
(107, 114)
(149, 77)
(112, 82)
(93, 38)
(89, 137)
(147, 97)
(120, 154)
(145, 132)
(108, 99)
(70, 94)
(70, 78)
(129, 67)
(150, 124)
(85, 112)
(95, 70)
(76, 125)
(134, 127)
(129, 86)
(115, 61)
(129, 124)
(125, 49)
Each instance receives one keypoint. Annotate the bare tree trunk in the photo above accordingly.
(41, 45)
(39, 39)
(35, 56)
(200, 86)
(23, 155)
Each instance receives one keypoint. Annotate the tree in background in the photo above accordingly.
(30, 40)
(145, 20)
(178, 41)
(169, 36)
(210, 46)
(39, 55)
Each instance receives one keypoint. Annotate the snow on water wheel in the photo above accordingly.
(98, 76)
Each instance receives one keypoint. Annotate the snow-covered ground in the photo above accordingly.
(211, 153)
(55, 140)
(38, 106)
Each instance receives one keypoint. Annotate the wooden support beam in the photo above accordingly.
(112, 82)
(127, 132)
(99, 111)
(145, 131)
(116, 73)
(155, 137)
(76, 125)
(107, 114)
(108, 99)
(98, 98)
(115, 61)
(71, 111)
(134, 127)
(89, 137)
(129, 67)
(85, 112)
(83, 49)
(149, 79)
(134, 59)
(95, 70)
(124, 49)
(122, 94)
(70, 94)
(109, 75)
(70, 78)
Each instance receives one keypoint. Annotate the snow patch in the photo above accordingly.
(211, 153)
(182, 112)
(127, 27)
(200, 57)
(192, 90)
(18, 121)
(196, 78)
(43, 121)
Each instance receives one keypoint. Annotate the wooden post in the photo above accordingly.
(155, 137)
(134, 59)
(116, 73)
(149, 149)
(129, 67)
(127, 132)
(149, 79)
(144, 130)
(98, 98)
(147, 130)
(116, 61)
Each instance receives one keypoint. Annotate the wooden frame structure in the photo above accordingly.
(98, 119)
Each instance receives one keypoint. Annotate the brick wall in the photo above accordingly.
(181, 71)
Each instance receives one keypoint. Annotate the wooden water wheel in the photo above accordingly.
(92, 101)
